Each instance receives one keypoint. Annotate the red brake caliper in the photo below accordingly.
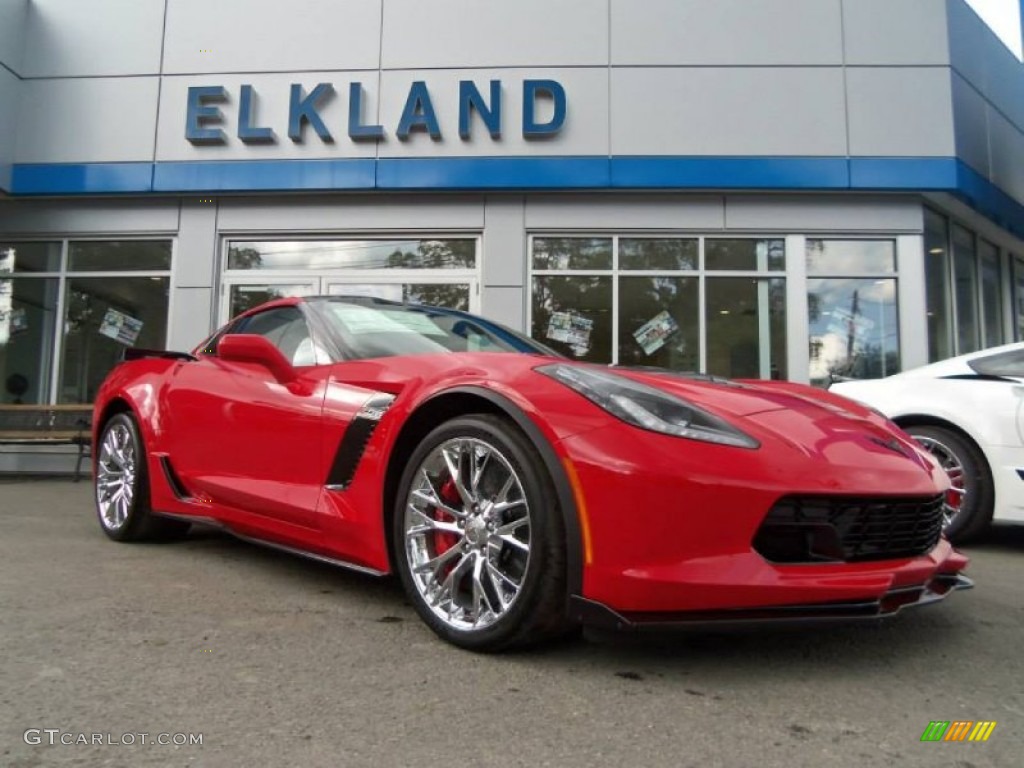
(443, 541)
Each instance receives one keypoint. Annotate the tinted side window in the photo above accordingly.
(285, 328)
(1004, 364)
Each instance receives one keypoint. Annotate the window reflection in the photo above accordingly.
(854, 328)
(658, 253)
(572, 253)
(746, 327)
(658, 322)
(452, 253)
(991, 293)
(745, 254)
(102, 317)
(573, 316)
(965, 275)
(28, 315)
(936, 275)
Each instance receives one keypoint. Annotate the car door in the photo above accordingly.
(245, 440)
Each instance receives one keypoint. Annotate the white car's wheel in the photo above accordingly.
(969, 503)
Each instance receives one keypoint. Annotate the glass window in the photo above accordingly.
(659, 323)
(29, 257)
(28, 319)
(450, 253)
(119, 256)
(965, 275)
(851, 257)
(747, 254)
(572, 253)
(936, 276)
(854, 328)
(573, 315)
(242, 298)
(658, 253)
(746, 327)
(102, 317)
(991, 293)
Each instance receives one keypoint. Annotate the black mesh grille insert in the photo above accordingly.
(805, 529)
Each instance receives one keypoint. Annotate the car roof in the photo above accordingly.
(959, 365)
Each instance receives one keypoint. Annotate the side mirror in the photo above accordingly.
(252, 348)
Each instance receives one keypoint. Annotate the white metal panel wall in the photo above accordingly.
(900, 111)
(107, 216)
(823, 213)
(87, 120)
(353, 214)
(895, 32)
(9, 91)
(271, 36)
(624, 212)
(471, 33)
(1007, 143)
(728, 111)
(982, 59)
(12, 32)
(726, 32)
(970, 111)
(93, 38)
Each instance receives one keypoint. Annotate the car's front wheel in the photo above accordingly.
(479, 543)
(968, 508)
(122, 486)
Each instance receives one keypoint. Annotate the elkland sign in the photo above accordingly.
(205, 122)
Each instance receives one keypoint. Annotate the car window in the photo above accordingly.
(1003, 364)
(286, 329)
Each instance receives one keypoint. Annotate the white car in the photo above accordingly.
(967, 411)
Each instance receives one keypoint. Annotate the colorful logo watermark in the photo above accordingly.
(958, 730)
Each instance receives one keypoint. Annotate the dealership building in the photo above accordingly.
(752, 188)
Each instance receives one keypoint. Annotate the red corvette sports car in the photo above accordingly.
(517, 493)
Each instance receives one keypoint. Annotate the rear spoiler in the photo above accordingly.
(130, 353)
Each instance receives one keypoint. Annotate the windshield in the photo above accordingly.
(366, 327)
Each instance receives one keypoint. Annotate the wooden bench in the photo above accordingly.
(48, 425)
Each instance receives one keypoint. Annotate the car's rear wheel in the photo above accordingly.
(479, 544)
(968, 507)
(122, 486)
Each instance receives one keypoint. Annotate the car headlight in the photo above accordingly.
(646, 407)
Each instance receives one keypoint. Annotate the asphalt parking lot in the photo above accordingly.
(278, 661)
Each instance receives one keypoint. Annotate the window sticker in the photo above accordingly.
(120, 327)
(652, 335)
(572, 329)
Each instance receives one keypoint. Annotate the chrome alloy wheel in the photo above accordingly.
(954, 502)
(115, 476)
(467, 528)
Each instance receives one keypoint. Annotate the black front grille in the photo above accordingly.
(805, 529)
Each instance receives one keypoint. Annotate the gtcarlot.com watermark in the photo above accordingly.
(56, 737)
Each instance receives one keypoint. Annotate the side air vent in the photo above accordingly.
(354, 441)
(173, 480)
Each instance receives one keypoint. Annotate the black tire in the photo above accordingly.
(536, 610)
(975, 513)
(127, 518)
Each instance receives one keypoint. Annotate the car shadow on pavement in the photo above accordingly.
(1000, 536)
(875, 644)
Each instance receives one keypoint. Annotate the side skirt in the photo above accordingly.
(273, 544)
